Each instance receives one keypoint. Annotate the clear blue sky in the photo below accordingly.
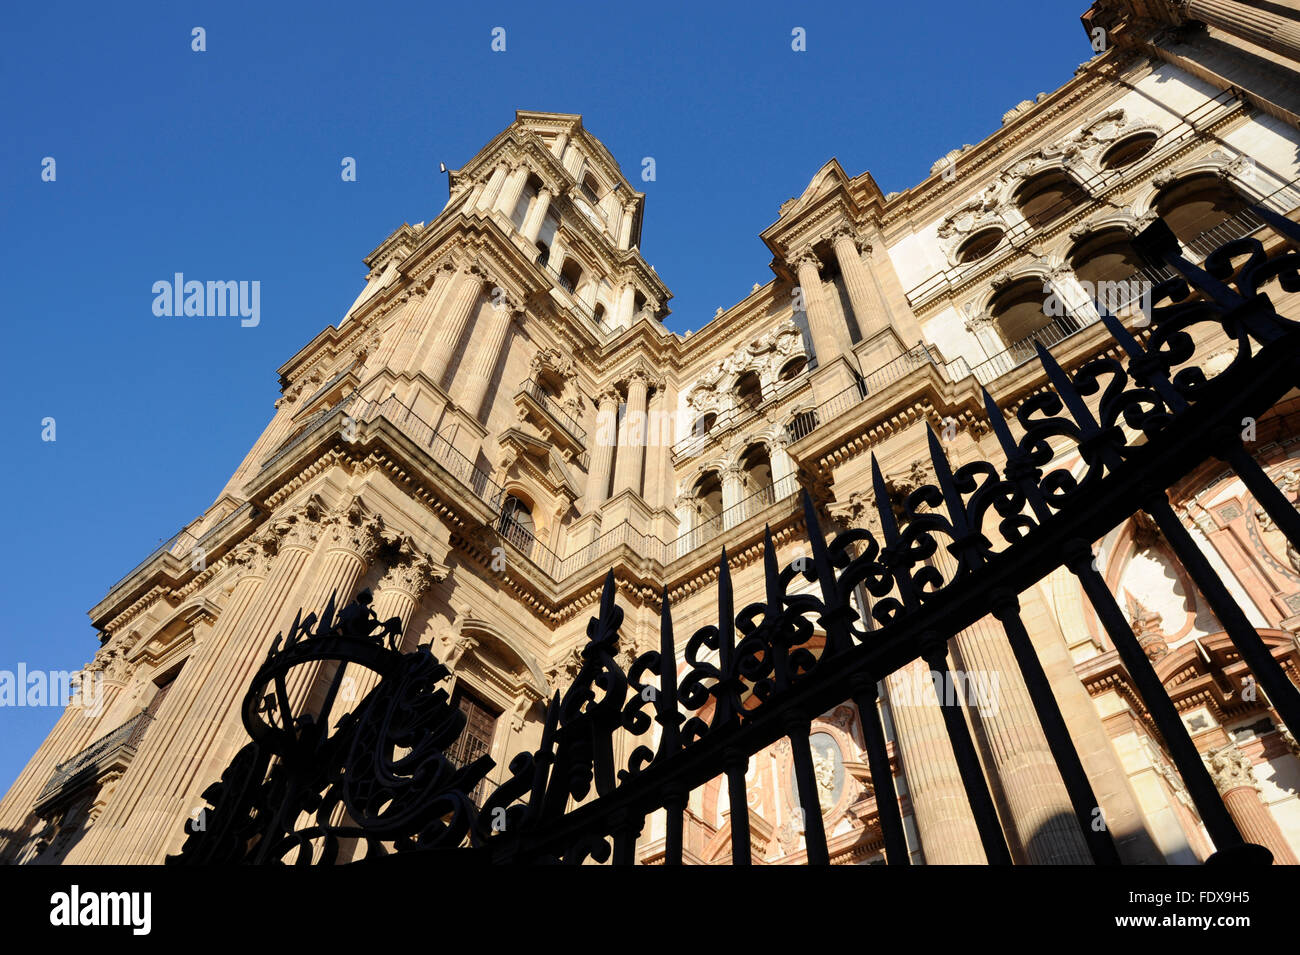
(226, 165)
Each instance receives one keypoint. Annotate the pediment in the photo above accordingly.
(829, 179)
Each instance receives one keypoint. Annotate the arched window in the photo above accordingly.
(1021, 314)
(1048, 196)
(571, 275)
(708, 492)
(599, 314)
(793, 368)
(979, 245)
(1201, 204)
(802, 424)
(1108, 268)
(704, 424)
(591, 189)
(756, 464)
(516, 523)
(546, 238)
(749, 390)
(1128, 151)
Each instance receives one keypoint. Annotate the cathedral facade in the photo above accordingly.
(501, 418)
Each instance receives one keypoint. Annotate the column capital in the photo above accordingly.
(805, 257)
(353, 528)
(413, 575)
(610, 396)
(844, 231)
(1230, 769)
(255, 557)
(299, 528)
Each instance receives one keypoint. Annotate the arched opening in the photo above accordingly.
(802, 424)
(793, 368)
(591, 189)
(1128, 151)
(979, 245)
(708, 496)
(1020, 313)
(749, 390)
(599, 314)
(1108, 268)
(516, 523)
(756, 466)
(571, 276)
(704, 424)
(1203, 207)
(1048, 196)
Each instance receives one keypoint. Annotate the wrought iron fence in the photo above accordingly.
(965, 546)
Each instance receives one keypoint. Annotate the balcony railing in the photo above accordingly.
(552, 407)
(806, 422)
(1127, 291)
(733, 418)
(121, 742)
(739, 512)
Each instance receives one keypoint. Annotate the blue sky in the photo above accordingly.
(225, 164)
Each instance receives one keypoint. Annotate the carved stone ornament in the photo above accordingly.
(1230, 769)
(413, 575)
(352, 528)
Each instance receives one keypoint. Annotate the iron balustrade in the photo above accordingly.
(732, 516)
(733, 418)
(632, 737)
(805, 422)
(124, 739)
(534, 389)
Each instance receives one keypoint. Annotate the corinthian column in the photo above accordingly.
(141, 802)
(493, 187)
(944, 823)
(631, 457)
(830, 337)
(439, 342)
(417, 319)
(512, 190)
(602, 457)
(81, 722)
(865, 302)
(400, 591)
(1233, 774)
(487, 355)
(212, 729)
(350, 537)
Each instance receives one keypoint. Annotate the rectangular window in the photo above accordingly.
(476, 738)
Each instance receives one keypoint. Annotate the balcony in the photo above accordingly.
(734, 418)
(111, 752)
(804, 423)
(550, 416)
(735, 515)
